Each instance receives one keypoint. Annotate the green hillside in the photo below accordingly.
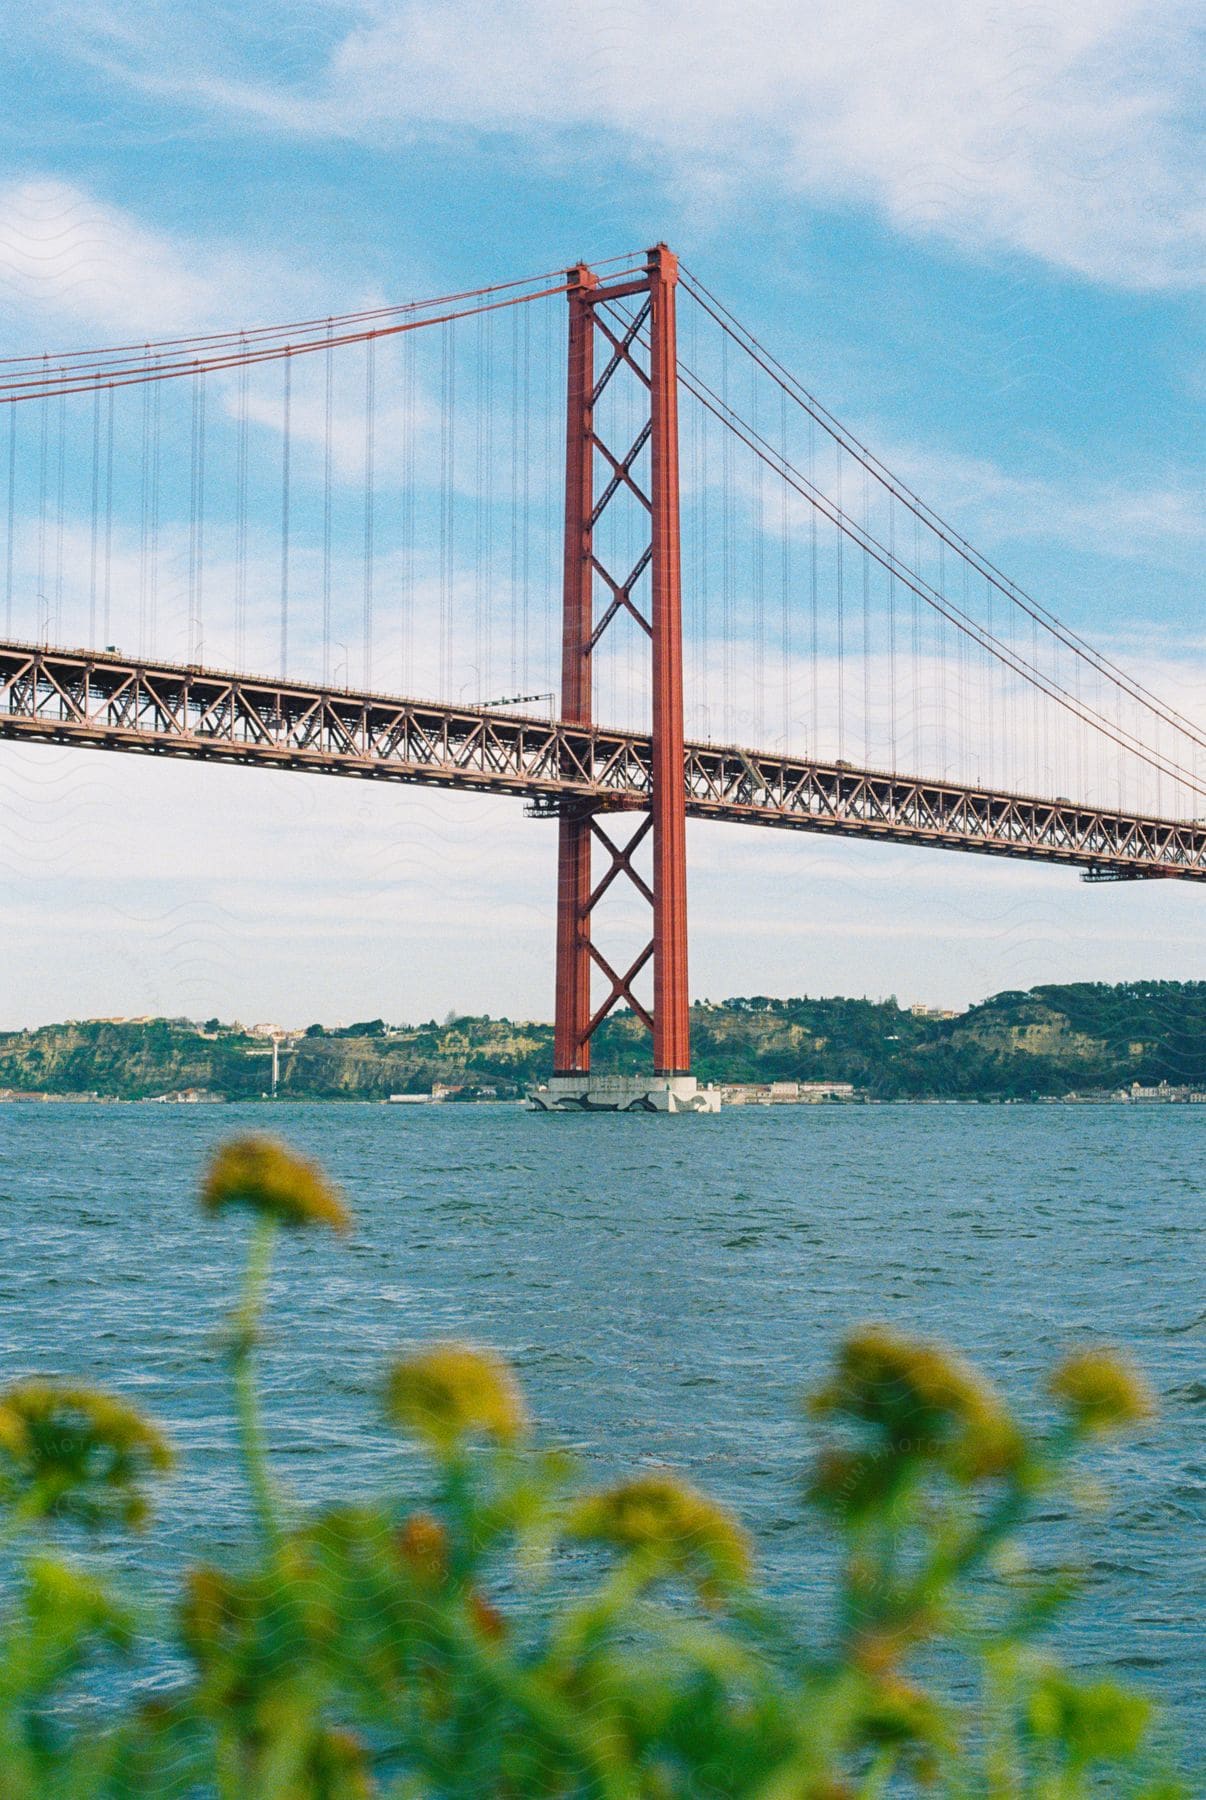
(1049, 1041)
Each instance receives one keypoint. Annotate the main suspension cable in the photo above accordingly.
(936, 600)
(941, 528)
(234, 352)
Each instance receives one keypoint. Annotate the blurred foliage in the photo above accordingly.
(375, 1649)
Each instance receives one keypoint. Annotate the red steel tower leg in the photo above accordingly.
(571, 1051)
(635, 316)
(671, 1042)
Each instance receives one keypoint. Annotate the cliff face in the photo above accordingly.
(1047, 1041)
(139, 1060)
(131, 1060)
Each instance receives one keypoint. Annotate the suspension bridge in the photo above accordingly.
(702, 597)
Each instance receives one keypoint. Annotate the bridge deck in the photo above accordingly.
(112, 702)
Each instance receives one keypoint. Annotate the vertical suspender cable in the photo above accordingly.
(759, 572)
(452, 508)
(445, 510)
(1120, 773)
(1080, 736)
(840, 534)
(44, 612)
(814, 614)
(527, 485)
(156, 428)
(241, 518)
(786, 646)
(144, 539)
(892, 631)
(1056, 740)
(918, 699)
(491, 363)
(479, 477)
(940, 659)
(328, 409)
(93, 539)
(1042, 759)
(12, 514)
(60, 514)
(938, 628)
(972, 743)
(286, 445)
(201, 407)
(192, 520)
(1020, 739)
(409, 353)
(1101, 772)
(108, 590)
(966, 745)
(726, 548)
(867, 740)
(990, 757)
(705, 572)
(450, 628)
(514, 496)
(370, 477)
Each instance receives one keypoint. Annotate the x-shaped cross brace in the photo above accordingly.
(621, 864)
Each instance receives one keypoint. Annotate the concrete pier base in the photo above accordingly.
(623, 1093)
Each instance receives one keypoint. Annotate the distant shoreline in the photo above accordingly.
(1083, 1043)
(858, 1101)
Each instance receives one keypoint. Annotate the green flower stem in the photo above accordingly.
(228, 1763)
(969, 1552)
(581, 1625)
(243, 1349)
(579, 1735)
(1002, 1761)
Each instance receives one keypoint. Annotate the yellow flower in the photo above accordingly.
(423, 1545)
(1102, 1390)
(14, 1438)
(453, 1391)
(926, 1403)
(682, 1527)
(259, 1173)
(77, 1452)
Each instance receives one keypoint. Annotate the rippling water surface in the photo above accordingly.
(666, 1287)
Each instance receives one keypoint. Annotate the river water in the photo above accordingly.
(667, 1289)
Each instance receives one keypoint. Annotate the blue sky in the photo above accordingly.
(980, 242)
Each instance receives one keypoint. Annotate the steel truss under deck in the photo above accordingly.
(112, 702)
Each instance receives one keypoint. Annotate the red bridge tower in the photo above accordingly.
(631, 324)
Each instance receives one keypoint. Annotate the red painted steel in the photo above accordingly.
(589, 303)
(671, 1032)
(571, 1051)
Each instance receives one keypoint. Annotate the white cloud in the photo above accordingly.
(1127, 519)
(1059, 131)
(70, 263)
(1130, 518)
